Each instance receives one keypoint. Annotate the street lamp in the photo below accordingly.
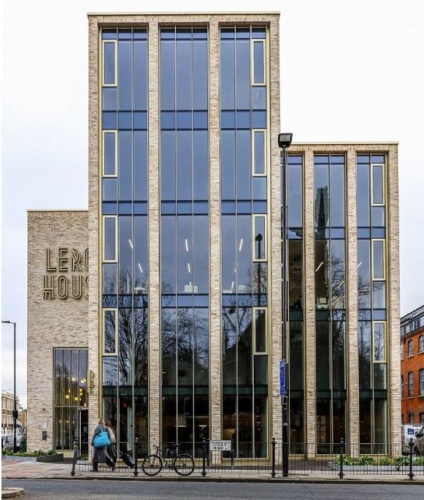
(284, 141)
(15, 411)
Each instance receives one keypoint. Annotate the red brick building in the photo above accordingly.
(412, 367)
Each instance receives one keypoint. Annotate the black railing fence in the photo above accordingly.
(345, 460)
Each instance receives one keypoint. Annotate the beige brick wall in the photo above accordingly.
(54, 322)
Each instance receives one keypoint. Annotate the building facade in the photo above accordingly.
(7, 407)
(412, 367)
(181, 336)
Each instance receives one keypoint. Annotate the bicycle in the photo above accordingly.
(181, 463)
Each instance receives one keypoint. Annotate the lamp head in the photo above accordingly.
(285, 139)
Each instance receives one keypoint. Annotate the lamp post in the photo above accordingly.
(15, 411)
(284, 141)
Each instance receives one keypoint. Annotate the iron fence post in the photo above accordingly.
(285, 450)
(74, 458)
(273, 458)
(135, 457)
(411, 447)
(341, 474)
(204, 457)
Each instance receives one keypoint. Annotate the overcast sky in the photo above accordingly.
(351, 70)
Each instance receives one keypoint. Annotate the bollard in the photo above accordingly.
(204, 457)
(273, 458)
(411, 447)
(74, 458)
(341, 458)
(135, 457)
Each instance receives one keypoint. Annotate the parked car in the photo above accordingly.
(7, 442)
(408, 433)
(419, 441)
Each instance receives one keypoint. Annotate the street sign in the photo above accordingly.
(283, 388)
(220, 445)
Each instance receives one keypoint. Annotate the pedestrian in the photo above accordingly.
(100, 451)
(111, 449)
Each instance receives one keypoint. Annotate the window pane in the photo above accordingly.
(200, 165)
(110, 189)
(109, 167)
(243, 159)
(200, 256)
(362, 196)
(110, 99)
(260, 238)
(259, 97)
(169, 253)
(168, 159)
(259, 152)
(227, 74)
(184, 165)
(167, 68)
(184, 74)
(377, 184)
(109, 331)
(378, 259)
(200, 74)
(364, 346)
(109, 63)
(125, 166)
(110, 238)
(295, 190)
(228, 161)
(322, 187)
(258, 55)
(364, 292)
(243, 74)
(260, 330)
(140, 75)
(379, 295)
(378, 217)
(337, 195)
(379, 342)
(125, 75)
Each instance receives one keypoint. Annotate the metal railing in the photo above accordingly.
(305, 460)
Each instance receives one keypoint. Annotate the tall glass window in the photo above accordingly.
(330, 285)
(125, 237)
(184, 167)
(70, 397)
(295, 302)
(372, 302)
(244, 194)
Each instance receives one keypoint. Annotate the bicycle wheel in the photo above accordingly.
(184, 464)
(152, 465)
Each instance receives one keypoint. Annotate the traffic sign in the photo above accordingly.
(283, 389)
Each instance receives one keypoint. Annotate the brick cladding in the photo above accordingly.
(52, 323)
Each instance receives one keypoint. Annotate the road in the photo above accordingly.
(178, 490)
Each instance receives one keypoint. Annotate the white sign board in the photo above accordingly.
(220, 445)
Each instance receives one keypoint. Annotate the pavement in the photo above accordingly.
(13, 468)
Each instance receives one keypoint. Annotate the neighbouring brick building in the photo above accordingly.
(412, 366)
(174, 330)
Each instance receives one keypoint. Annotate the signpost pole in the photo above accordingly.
(283, 394)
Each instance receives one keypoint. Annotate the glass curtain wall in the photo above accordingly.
(372, 305)
(244, 186)
(295, 302)
(70, 396)
(184, 169)
(330, 302)
(124, 205)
